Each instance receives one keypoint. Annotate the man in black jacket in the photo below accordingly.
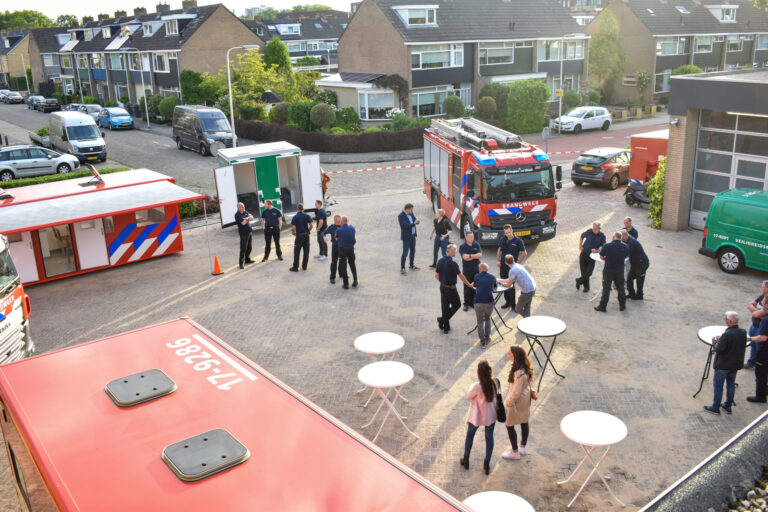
(729, 354)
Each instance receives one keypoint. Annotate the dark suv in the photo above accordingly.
(602, 166)
(49, 105)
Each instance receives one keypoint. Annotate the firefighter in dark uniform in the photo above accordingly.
(447, 272)
(613, 254)
(638, 265)
(470, 261)
(590, 241)
(331, 230)
(301, 225)
(509, 244)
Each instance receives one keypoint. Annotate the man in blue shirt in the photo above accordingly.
(761, 358)
(446, 272)
(470, 255)
(485, 284)
(509, 244)
(629, 227)
(408, 223)
(518, 274)
(345, 236)
(638, 265)
(273, 223)
(243, 220)
(590, 241)
(613, 254)
(321, 223)
(331, 231)
(301, 225)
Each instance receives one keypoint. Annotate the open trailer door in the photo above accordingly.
(311, 180)
(227, 192)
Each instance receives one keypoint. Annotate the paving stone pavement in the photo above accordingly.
(642, 365)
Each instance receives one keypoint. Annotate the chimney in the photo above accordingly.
(103, 17)
(87, 19)
(188, 3)
(120, 14)
(139, 10)
(161, 7)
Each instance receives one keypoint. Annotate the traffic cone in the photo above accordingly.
(216, 266)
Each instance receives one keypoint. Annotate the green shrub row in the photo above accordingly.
(49, 178)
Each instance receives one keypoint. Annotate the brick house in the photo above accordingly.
(14, 54)
(122, 56)
(659, 36)
(446, 47)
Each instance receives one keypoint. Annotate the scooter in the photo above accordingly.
(635, 193)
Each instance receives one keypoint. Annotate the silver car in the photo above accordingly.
(25, 161)
(91, 109)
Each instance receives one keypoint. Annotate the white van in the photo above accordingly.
(77, 133)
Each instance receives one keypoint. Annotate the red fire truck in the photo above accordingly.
(485, 177)
(169, 418)
(15, 342)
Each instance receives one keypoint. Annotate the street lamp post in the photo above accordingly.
(229, 86)
(143, 86)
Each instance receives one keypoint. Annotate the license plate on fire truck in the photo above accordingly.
(523, 233)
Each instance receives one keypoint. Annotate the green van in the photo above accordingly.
(736, 230)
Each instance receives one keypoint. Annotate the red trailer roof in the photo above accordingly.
(97, 456)
(74, 186)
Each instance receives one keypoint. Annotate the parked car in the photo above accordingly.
(76, 133)
(13, 97)
(602, 166)
(736, 230)
(583, 118)
(25, 160)
(114, 118)
(198, 128)
(73, 107)
(4, 93)
(92, 109)
(49, 105)
(32, 101)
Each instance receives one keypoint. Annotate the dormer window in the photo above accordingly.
(106, 32)
(724, 13)
(289, 29)
(682, 10)
(88, 35)
(728, 14)
(6, 43)
(171, 27)
(417, 15)
(148, 29)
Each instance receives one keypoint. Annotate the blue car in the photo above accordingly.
(114, 118)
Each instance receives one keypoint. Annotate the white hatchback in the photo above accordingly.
(584, 118)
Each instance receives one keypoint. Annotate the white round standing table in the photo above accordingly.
(592, 429)
(705, 336)
(387, 375)
(539, 326)
(497, 501)
(378, 345)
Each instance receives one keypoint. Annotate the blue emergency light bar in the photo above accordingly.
(483, 160)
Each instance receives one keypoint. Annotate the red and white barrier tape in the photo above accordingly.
(378, 168)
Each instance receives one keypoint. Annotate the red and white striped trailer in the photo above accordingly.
(169, 418)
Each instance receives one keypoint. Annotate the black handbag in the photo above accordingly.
(501, 412)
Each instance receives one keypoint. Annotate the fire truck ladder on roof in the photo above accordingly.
(473, 134)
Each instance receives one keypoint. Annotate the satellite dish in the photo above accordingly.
(216, 147)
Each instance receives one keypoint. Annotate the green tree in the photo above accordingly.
(279, 113)
(67, 20)
(643, 81)
(322, 115)
(762, 3)
(166, 106)
(486, 107)
(499, 93)
(453, 107)
(190, 86)
(527, 105)
(655, 190)
(308, 7)
(276, 55)
(328, 96)
(12, 19)
(606, 60)
(572, 99)
(299, 115)
(687, 69)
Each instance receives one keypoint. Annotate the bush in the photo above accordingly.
(453, 107)
(526, 105)
(486, 107)
(348, 119)
(327, 96)
(373, 129)
(402, 122)
(664, 99)
(687, 69)
(49, 178)
(337, 130)
(299, 115)
(43, 132)
(279, 113)
(91, 100)
(252, 110)
(188, 209)
(322, 115)
(154, 104)
(655, 190)
(572, 99)
(124, 100)
(166, 106)
(594, 97)
(109, 103)
(499, 93)
(309, 60)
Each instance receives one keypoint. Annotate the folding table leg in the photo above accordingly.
(548, 360)
(595, 468)
(705, 375)
(378, 409)
(391, 406)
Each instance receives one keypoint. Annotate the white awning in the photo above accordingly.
(69, 45)
(99, 203)
(506, 79)
(117, 43)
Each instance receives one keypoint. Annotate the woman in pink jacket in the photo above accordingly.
(518, 401)
(482, 411)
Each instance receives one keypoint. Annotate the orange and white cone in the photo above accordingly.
(216, 266)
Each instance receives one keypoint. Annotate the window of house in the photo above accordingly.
(121, 90)
(169, 91)
(66, 61)
(116, 61)
(496, 53)
(97, 61)
(6, 43)
(106, 32)
(670, 46)
(662, 81)
(82, 61)
(147, 29)
(48, 60)
(548, 50)
(161, 63)
(171, 27)
(296, 47)
(313, 46)
(135, 61)
(728, 14)
(570, 82)
(421, 17)
(151, 216)
(703, 44)
(374, 105)
(734, 43)
(428, 101)
(762, 42)
(523, 44)
(430, 56)
(718, 39)
(88, 34)
(629, 80)
(574, 50)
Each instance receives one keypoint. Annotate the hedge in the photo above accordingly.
(48, 178)
(366, 142)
